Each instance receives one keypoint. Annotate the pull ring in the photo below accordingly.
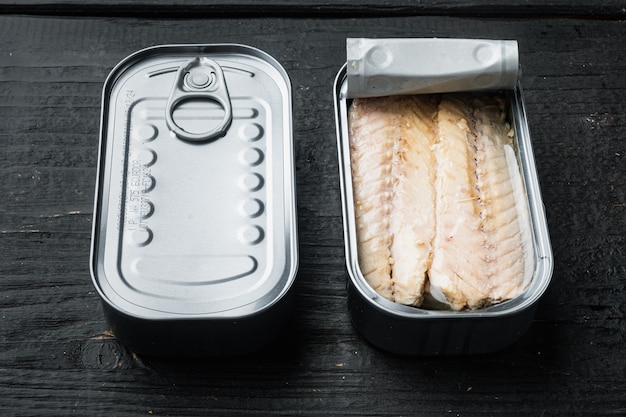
(200, 78)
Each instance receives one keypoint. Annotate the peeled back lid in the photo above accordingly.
(195, 211)
(382, 67)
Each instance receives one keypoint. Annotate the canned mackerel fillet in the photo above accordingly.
(447, 246)
(194, 246)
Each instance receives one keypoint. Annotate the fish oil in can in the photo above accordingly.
(194, 246)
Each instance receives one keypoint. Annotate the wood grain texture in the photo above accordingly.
(57, 356)
(607, 9)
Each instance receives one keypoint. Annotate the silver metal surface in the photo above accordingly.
(381, 67)
(195, 213)
(199, 79)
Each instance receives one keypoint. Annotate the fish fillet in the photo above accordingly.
(455, 276)
(393, 174)
(440, 207)
(482, 248)
(505, 216)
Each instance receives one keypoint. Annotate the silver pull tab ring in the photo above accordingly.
(200, 78)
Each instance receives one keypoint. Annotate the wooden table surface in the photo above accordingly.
(57, 355)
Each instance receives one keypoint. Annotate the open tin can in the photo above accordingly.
(410, 330)
(194, 246)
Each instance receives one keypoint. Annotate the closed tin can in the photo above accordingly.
(194, 246)
(410, 330)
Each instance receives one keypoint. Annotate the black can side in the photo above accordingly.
(198, 338)
(430, 336)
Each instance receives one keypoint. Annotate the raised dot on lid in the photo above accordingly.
(251, 156)
(145, 132)
(251, 208)
(484, 53)
(139, 237)
(379, 56)
(251, 132)
(251, 182)
(146, 157)
(200, 79)
(251, 235)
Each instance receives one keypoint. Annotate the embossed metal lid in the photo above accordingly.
(381, 67)
(195, 212)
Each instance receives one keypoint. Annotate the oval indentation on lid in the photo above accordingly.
(193, 269)
(140, 236)
(251, 182)
(485, 54)
(251, 234)
(380, 56)
(145, 132)
(146, 157)
(251, 208)
(146, 209)
(148, 182)
(251, 157)
(251, 132)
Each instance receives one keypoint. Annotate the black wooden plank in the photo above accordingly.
(608, 9)
(57, 356)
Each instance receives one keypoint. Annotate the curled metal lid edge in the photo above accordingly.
(381, 67)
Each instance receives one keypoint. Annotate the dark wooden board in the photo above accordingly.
(57, 356)
(607, 9)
